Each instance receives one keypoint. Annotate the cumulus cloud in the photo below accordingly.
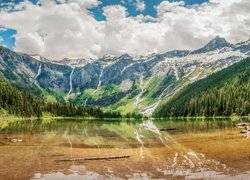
(166, 6)
(68, 29)
(85, 3)
(114, 13)
(140, 5)
(3, 29)
(1, 39)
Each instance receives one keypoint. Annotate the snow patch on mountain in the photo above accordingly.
(125, 85)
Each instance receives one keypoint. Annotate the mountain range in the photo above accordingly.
(125, 83)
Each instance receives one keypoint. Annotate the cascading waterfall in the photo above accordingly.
(151, 108)
(98, 86)
(38, 73)
(100, 80)
(137, 100)
(139, 95)
(148, 110)
(70, 81)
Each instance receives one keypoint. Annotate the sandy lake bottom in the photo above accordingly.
(181, 149)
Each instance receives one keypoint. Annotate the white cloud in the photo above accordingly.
(1, 39)
(166, 6)
(85, 3)
(140, 5)
(70, 30)
(3, 29)
(114, 13)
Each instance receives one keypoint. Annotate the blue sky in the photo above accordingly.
(150, 4)
(8, 39)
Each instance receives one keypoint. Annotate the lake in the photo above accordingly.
(155, 149)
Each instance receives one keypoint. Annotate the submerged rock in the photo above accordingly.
(14, 140)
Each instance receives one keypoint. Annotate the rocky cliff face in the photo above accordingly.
(122, 83)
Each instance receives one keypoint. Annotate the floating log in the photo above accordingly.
(95, 158)
(168, 129)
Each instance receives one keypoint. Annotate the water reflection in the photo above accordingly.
(192, 150)
(36, 126)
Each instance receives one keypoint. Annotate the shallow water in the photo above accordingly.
(196, 149)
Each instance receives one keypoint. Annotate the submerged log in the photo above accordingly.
(243, 124)
(168, 129)
(95, 158)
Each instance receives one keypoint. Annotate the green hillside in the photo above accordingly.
(223, 93)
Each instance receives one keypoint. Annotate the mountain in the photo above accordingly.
(124, 83)
(223, 93)
(216, 43)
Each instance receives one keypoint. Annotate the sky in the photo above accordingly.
(57, 29)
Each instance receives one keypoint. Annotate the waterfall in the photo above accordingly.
(38, 73)
(98, 86)
(70, 81)
(99, 80)
(150, 109)
(137, 100)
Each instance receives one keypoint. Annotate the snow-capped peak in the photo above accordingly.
(216, 43)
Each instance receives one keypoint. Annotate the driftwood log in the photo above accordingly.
(168, 129)
(95, 158)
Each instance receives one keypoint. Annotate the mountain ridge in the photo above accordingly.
(124, 83)
(218, 41)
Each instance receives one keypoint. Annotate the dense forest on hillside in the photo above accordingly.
(24, 104)
(224, 93)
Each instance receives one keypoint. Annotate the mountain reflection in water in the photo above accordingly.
(190, 149)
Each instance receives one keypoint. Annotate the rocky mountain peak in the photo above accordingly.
(216, 43)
